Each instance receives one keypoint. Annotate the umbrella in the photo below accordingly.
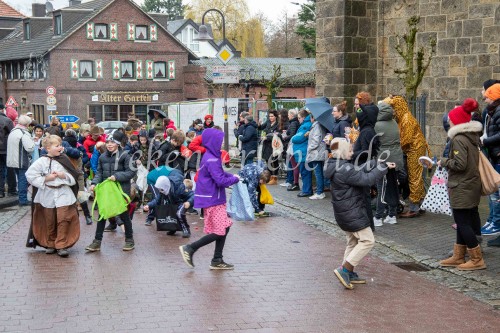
(161, 112)
(321, 111)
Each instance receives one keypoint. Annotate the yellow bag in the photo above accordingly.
(265, 196)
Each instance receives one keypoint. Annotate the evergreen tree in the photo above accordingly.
(306, 27)
(173, 8)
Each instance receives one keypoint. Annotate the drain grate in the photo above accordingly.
(411, 266)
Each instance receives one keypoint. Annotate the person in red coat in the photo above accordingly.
(209, 121)
(96, 135)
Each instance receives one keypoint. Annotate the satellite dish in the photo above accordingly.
(48, 7)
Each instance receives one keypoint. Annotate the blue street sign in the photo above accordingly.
(66, 119)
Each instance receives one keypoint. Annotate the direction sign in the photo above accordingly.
(66, 119)
(50, 90)
(51, 100)
(225, 54)
(11, 101)
(225, 74)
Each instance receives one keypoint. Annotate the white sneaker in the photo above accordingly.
(377, 222)
(390, 220)
(285, 184)
(317, 196)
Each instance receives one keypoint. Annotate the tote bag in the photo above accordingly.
(166, 218)
(437, 199)
(277, 145)
(111, 199)
(490, 179)
(240, 207)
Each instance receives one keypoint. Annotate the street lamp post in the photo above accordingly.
(247, 77)
(203, 36)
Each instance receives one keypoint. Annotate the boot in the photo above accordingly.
(273, 181)
(476, 260)
(457, 258)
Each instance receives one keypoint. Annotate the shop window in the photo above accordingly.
(111, 112)
(160, 69)
(141, 32)
(86, 69)
(101, 31)
(127, 70)
(95, 111)
(125, 110)
(57, 25)
(141, 112)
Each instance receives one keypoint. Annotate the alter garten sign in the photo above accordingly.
(124, 97)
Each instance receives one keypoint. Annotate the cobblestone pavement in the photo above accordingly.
(425, 240)
(283, 282)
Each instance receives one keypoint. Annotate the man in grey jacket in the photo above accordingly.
(20, 145)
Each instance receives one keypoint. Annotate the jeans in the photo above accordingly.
(6, 173)
(125, 217)
(306, 178)
(207, 239)
(317, 166)
(494, 216)
(22, 185)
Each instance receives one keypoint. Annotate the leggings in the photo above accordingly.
(207, 239)
(467, 220)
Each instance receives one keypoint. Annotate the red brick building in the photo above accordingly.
(104, 58)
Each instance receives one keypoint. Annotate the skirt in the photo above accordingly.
(216, 220)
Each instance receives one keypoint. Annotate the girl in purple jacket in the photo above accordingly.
(210, 194)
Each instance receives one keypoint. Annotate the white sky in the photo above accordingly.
(273, 9)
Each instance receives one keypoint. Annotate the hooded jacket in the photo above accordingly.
(367, 144)
(212, 179)
(316, 148)
(348, 185)
(177, 193)
(464, 180)
(388, 131)
(20, 145)
(340, 125)
(249, 139)
(299, 141)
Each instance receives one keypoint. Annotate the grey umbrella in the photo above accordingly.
(161, 112)
(321, 111)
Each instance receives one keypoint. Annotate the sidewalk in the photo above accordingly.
(283, 281)
(426, 239)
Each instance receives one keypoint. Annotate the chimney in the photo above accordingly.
(38, 10)
(74, 2)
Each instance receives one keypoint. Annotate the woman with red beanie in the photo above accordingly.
(464, 184)
(209, 121)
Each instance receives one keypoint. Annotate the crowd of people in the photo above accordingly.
(367, 159)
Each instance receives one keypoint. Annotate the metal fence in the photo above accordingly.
(418, 109)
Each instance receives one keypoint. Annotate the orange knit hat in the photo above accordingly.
(493, 92)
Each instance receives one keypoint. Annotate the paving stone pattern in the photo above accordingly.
(283, 282)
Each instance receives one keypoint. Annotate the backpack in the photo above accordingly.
(111, 199)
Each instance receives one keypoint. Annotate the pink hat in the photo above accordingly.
(11, 113)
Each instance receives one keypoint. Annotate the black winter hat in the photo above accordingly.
(118, 137)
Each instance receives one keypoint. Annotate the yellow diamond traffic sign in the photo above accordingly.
(225, 54)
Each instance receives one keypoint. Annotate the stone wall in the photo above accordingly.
(467, 51)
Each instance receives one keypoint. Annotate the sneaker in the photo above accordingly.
(50, 250)
(491, 231)
(95, 246)
(129, 244)
(110, 227)
(343, 277)
(486, 226)
(148, 223)
(286, 184)
(88, 220)
(262, 214)
(294, 187)
(390, 220)
(317, 196)
(62, 253)
(187, 255)
(355, 279)
(494, 242)
(377, 222)
(221, 265)
(186, 234)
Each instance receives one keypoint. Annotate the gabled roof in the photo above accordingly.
(14, 47)
(294, 71)
(8, 11)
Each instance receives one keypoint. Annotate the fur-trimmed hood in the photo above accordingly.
(472, 126)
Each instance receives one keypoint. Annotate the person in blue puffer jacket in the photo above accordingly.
(300, 140)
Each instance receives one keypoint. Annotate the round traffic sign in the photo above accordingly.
(51, 100)
(50, 90)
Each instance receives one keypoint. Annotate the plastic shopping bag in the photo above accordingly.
(265, 196)
(111, 199)
(437, 199)
(240, 207)
(142, 174)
